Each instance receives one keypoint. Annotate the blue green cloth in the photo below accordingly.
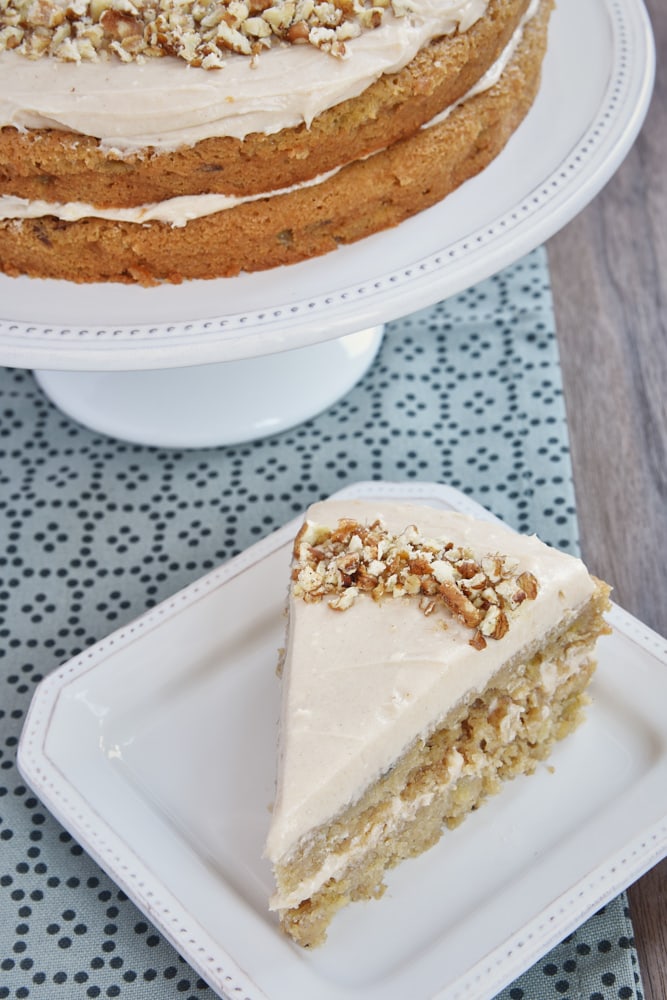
(95, 531)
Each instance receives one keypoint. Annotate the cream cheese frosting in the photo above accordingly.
(360, 685)
(164, 103)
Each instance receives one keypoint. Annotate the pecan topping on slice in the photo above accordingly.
(346, 561)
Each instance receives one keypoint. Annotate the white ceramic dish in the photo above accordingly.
(155, 748)
(597, 82)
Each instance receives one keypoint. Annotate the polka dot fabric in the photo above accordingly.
(95, 531)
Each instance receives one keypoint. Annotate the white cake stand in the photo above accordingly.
(225, 361)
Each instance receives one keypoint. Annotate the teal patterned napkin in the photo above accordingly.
(96, 531)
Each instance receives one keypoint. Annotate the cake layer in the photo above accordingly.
(361, 198)
(228, 142)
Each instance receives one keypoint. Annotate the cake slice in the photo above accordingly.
(429, 655)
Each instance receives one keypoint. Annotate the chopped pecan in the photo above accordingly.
(120, 26)
(478, 641)
(528, 585)
(352, 559)
(197, 31)
(459, 605)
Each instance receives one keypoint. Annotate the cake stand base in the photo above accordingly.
(217, 404)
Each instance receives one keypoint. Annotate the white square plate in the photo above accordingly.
(155, 749)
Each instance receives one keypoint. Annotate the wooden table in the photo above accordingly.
(609, 276)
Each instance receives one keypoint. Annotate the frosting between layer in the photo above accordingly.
(164, 103)
(176, 212)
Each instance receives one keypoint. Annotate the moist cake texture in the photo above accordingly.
(126, 164)
(429, 657)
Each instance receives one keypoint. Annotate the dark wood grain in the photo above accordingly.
(609, 277)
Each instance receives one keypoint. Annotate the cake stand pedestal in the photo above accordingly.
(215, 404)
